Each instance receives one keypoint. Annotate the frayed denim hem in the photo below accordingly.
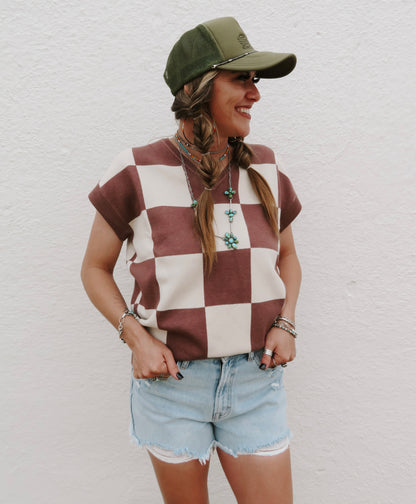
(252, 451)
(203, 459)
(207, 455)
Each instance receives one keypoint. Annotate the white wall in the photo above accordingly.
(83, 80)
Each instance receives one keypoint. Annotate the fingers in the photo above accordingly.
(266, 361)
(155, 360)
(278, 360)
(272, 359)
(172, 367)
(279, 348)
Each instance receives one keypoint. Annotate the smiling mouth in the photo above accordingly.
(244, 112)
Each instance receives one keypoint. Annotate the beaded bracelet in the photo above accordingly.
(121, 322)
(287, 329)
(290, 322)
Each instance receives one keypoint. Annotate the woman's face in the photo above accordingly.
(234, 93)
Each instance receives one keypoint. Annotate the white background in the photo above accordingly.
(81, 82)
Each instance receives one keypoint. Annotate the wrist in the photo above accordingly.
(129, 327)
(287, 312)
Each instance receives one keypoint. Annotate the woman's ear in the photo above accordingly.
(186, 89)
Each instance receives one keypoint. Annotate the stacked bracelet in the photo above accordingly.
(284, 323)
(285, 328)
(285, 319)
(126, 313)
(288, 321)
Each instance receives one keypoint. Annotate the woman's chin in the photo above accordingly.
(242, 132)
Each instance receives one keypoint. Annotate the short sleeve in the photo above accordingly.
(289, 203)
(118, 196)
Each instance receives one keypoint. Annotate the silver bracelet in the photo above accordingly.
(290, 322)
(287, 329)
(121, 322)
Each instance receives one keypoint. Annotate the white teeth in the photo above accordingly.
(244, 110)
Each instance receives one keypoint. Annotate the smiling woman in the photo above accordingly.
(207, 220)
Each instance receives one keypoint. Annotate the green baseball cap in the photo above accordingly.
(221, 43)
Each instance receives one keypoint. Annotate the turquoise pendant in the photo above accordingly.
(194, 203)
(230, 213)
(231, 240)
(229, 193)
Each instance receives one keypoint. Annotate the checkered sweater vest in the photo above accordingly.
(145, 198)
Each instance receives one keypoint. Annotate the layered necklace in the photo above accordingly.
(229, 238)
(183, 145)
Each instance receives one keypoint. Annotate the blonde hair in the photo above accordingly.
(193, 102)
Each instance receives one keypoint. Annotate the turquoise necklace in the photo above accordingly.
(188, 153)
(229, 238)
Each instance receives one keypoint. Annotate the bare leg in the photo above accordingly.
(255, 478)
(182, 483)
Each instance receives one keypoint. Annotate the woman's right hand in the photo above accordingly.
(150, 357)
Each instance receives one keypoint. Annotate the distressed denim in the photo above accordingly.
(227, 402)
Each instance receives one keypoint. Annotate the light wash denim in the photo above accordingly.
(227, 402)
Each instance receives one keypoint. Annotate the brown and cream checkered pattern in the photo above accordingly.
(145, 198)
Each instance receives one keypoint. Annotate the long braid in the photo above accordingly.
(242, 156)
(194, 102)
(209, 170)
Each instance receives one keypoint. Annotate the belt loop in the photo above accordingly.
(250, 356)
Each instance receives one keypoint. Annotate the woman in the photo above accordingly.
(209, 244)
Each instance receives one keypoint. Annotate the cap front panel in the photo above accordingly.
(229, 37)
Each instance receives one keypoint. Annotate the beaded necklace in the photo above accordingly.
(182, 146)
(229, 238)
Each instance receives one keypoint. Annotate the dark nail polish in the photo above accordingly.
(262, 366)
(179, 375)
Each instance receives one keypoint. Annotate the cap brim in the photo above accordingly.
(268, 65)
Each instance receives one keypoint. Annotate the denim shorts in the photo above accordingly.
(227, 402)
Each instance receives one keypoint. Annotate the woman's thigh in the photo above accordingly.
(256, 478)
(184, 483)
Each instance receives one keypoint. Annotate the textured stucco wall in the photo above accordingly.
(82, 81)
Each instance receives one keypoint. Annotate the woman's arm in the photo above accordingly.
(280, 341)
(150, 357)
(290, 272)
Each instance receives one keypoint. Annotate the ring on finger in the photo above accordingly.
(268, 352)
(283, 364)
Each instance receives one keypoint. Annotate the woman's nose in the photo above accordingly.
(253, 93)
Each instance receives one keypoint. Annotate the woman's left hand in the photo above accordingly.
(283, 346)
